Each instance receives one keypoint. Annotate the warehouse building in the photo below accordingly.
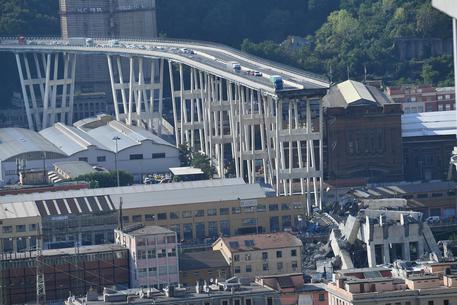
(198, 211)
(139, 151)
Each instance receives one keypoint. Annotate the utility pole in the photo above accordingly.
(115, 139)
(40, 286)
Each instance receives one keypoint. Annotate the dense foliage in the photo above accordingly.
(103, 179)
(196, 159)
(361, 37)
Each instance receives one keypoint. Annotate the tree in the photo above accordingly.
(428, 74)
(185, 154)
(103, 179)
(203, 162)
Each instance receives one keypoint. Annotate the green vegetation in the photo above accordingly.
(196, 159)
(362, 35)
(19, 17)
(99, 180)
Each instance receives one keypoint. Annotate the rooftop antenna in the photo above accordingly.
(40, 286)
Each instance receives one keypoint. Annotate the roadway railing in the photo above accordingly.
(178, 42)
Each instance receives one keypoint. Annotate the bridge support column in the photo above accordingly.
(187, 102)
(48, 91)
(299, 138)
(141, 94)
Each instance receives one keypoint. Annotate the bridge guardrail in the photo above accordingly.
(192, 42)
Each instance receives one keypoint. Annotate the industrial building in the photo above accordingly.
(197, 211)
(362, 134)
(427, 140)
(139, 151)
(73, 269)
(261, 254)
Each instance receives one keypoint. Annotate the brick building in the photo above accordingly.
(90, 267)
(362, 134)
(422, 98)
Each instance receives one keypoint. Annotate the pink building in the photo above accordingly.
(153, 255)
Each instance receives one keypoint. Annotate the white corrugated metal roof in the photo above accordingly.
(15, 141)
(19, 209)
(353, 91)
(70, 139)
(129, 136)
(429, 124)
(163, 194)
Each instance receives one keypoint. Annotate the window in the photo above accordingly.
(136, 157)
(32, 227)
(225, 227)
(158, 156)
(186, 214)
(237, 269)
(224, 302)
(101, 159)
(152, 253)
(273, 207)
(136, 218)
(199, 213)
(261, 208)
(249, 221)
(162, 216)
(280, 266)
(20, 228)
(264, 255)
(84, 159)
(248, 268)
(212, 229)
(446, 302)
(171, 239)
(174, 215)
(434, 195)
(149, 217)
(211, 212)
(293, 252)
(125, 219)
(422, 196)
(141, 254)
(236, 257)
(278, 254)
(270, 301)
(140, 241)
(247, 257)
(161, 253)
(247, 301)
(236, 210)
(171, 252)
(285, 207)
(430, 302)
(188, 232)
(321, 297)
(224, 211)
(265, 267)
(294, 265)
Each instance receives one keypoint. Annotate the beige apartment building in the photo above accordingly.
(372, 286)
(261, 254)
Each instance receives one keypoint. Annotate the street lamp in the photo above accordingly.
(115, 139)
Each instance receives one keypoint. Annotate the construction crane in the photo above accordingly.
(40, 285)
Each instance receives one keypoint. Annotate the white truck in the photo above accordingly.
(234, 65)
(81, 41)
